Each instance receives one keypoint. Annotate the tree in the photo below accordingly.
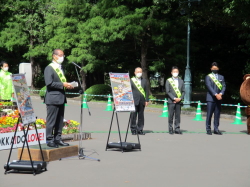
(24, 29)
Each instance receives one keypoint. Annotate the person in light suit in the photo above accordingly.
(216, 87)
(175, 91)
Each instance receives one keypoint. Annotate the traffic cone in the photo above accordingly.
(237, 120)
(198, 116)
(109, 105)
(84, 103)
(165, 110)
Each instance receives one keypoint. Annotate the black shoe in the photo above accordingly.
(217, 132)
(61, 143)
(52, 144)
(177, 132)
(133, 132)
(171, 132)
(141, 133)
(209, 133)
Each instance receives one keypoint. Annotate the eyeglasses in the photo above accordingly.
(60, 55)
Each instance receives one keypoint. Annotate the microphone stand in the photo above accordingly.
(81, 91)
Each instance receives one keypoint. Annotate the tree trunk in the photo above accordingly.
(144, 65)
(32, 62)
(83, 75)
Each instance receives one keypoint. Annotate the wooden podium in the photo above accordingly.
(49, 153)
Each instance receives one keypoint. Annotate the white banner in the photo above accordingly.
(32, 138)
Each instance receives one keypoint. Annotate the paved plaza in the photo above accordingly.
(193, 159)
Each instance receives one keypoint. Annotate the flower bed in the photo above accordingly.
(8, 124)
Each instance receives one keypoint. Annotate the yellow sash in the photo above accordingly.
(218, 84)
(176, 89)
(138, 85)
(59, 72)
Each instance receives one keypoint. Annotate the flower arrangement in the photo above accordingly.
(70, 126)
(8, 124)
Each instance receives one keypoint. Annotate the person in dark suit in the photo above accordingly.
(216, 86)
(175, 91)
(55, 99)
(140, 94)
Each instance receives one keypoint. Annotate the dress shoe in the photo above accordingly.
(61, 143)
(52, 144)
(141, 133)
(209, 133)
(133, 132)
(217, 132)
(177, 132)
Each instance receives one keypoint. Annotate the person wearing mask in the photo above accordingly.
(175, 90)
(55, 99)
(140, 94)
(216, 87)
(6, 86)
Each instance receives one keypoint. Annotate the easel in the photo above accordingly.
(122, 145)
(23, 165)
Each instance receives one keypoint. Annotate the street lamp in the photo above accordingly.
(187, 77)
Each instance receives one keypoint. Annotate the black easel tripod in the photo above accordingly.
(80, 151)
(123, 146)
(23, 165)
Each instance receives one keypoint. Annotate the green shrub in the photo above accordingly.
(98, 89)
(42, 91)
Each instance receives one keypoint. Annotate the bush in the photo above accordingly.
(42, 91)
(98, 89)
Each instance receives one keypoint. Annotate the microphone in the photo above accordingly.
(76, 65)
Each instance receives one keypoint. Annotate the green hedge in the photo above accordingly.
(42, 91)
(98, 89)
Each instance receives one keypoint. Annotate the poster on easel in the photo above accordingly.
(122, 92)
(23, 100)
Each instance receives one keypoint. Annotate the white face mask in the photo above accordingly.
(60, 60)
(175, 74)
(5, 69)
(138, 75)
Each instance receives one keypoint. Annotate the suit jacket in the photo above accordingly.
(171, 93)
(213, 89)
(137, 95)
(55, 93)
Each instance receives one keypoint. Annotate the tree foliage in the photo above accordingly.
(116, 36)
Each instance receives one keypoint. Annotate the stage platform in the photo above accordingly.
(49, 153)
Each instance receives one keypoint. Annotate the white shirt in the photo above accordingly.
(216, 75)
(57, 65)
(176, 81)
(139, 80)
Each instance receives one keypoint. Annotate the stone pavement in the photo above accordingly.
(193, 159)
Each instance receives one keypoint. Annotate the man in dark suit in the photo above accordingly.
(175, 90)
(216, 86)
(55, 99)
(140, 94)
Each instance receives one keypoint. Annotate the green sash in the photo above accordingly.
(176, 89)
(138, 85)
(218, 84)
(58, 72)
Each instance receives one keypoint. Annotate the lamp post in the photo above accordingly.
(187, 77)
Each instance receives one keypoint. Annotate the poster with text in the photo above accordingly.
(122, 92)
(23, 99)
